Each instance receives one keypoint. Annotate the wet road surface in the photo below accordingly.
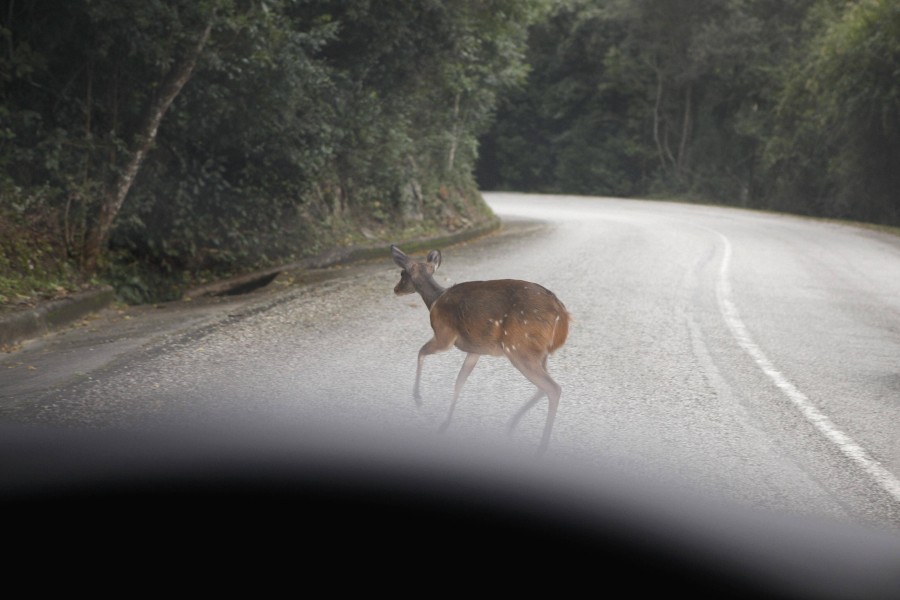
(753, 356)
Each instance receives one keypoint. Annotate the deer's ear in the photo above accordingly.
(434, 257)
(399, 257)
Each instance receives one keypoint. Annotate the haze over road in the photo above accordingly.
(752, 354)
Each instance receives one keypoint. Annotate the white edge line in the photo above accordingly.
(887, 480)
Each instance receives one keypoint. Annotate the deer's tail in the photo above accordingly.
(560, 330)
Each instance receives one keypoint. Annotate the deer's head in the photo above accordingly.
(414, 272)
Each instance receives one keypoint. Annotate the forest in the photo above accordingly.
(788, 105)
(151, 144)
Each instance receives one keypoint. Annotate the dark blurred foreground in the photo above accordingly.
(251, 511)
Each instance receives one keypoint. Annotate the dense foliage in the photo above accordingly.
(153, 140)
(785, 105)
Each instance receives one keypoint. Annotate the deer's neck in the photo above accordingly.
(429, 289)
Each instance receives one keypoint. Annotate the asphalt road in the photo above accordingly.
(755, 357)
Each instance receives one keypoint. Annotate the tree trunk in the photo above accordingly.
(666, 160)
(656, 121)
(454, 141)
(686, 126)
(112, 201)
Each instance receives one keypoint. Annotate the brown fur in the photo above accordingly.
(490, 317)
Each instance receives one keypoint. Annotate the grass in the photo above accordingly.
(33, 266)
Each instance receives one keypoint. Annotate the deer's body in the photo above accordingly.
(503, 317)
(500, 317)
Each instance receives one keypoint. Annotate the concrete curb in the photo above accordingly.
(17, 326)
(337, 256)
(21, 325)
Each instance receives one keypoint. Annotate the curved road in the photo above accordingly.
(755, 351)
(752, 355)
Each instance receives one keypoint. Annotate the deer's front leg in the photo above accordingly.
(464, 372)
(432, 346)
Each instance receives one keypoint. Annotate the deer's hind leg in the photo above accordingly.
(535, 370)
(514, 422)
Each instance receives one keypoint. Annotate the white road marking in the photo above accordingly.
(887, 480)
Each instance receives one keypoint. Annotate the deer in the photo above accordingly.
(521, 320)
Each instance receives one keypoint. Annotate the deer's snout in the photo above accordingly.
(405, 285)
